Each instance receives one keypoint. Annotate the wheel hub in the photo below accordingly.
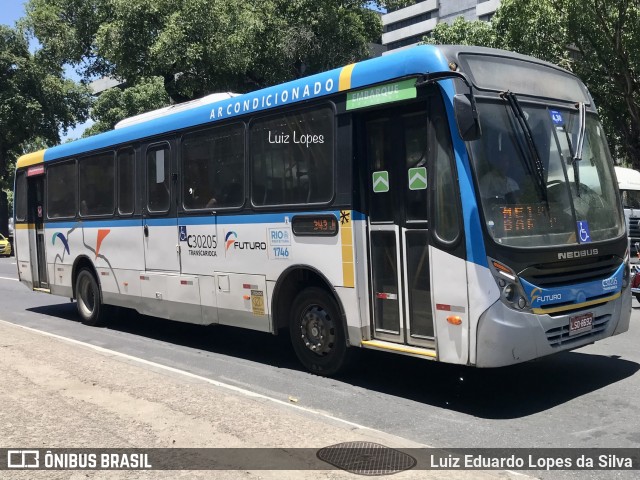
(317, 330)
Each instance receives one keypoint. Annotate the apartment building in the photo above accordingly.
(405, 27)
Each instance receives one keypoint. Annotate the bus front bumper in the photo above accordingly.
(506, 336)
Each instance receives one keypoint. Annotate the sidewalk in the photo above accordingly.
(57, 394)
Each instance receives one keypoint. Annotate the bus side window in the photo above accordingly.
(62, 197)
(446, 218)
(126, 181)
(97, 184)
(292, 158)
(213, 168)
(158, 179)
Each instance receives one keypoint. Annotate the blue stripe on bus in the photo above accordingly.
(270, 218)
(476, 252)
(415, 61)
(419, 60)
(357, 215)
(95, 223)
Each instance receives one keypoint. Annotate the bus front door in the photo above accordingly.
(396, 148)
(35, 202)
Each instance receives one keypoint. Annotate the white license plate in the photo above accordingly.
(581, 323)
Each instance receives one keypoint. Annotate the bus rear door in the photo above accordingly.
(35, 202)
(160, 225)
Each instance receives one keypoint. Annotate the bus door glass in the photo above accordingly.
(35, 199)
(396, 151)
(160, 225)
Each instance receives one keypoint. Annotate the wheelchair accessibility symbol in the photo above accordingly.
(183, 233)
(583, 232)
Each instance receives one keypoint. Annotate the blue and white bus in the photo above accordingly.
(457, 204)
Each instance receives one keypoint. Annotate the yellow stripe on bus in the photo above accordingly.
(24, 226)
(398, 348)
(345, 77)
(30, 159)
(575, 306)
(346, 239)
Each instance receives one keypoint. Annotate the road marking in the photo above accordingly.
(8, 278)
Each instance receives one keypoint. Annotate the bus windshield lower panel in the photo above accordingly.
(564, 204)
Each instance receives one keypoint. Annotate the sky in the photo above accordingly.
(12, 10)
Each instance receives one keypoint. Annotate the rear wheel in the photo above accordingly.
(89, 299)
(317, 332)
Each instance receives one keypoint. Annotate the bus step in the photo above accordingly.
(399, 348)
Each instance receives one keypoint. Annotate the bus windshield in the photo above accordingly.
(533, 191)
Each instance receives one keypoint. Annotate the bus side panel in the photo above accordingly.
(483, 292)
(64, 242)
(117, 252)
(449, 293)
(242, 301)
(349, 299)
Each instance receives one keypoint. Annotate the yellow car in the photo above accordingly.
(5, 246)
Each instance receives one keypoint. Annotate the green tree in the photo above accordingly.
(35, 102)
(463, 32)
(116, 104)
(201, 46)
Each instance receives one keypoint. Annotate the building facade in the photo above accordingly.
(405, 27)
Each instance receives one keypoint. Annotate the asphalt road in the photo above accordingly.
(587, 398)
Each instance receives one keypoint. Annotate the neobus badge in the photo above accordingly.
(577, 254)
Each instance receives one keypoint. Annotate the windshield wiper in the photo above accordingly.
(577, 154)
(531, 155)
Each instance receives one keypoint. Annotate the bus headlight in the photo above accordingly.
(511, 292)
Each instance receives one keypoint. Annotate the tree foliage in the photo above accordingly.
(599, 40)
(463, 32)
(201, 46)
(115, 104)
(36, 102)
(198, 47)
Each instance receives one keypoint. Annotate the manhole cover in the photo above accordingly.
(366, 458)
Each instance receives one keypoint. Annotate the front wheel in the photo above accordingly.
(317, 332)
(89, 299)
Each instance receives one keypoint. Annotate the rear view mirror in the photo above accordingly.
(466, 117)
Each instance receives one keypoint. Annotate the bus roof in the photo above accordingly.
(414, 61)
(628, 178)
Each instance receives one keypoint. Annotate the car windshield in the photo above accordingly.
(630, 198)
(533, 193)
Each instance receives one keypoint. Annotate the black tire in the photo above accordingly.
(317, 332)
(637, 295)
(89, 299)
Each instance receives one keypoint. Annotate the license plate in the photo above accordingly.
(580, 323)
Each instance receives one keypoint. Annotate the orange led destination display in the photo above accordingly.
(309, 225)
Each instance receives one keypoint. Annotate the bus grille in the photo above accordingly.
(581, 271)
(559, 336)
